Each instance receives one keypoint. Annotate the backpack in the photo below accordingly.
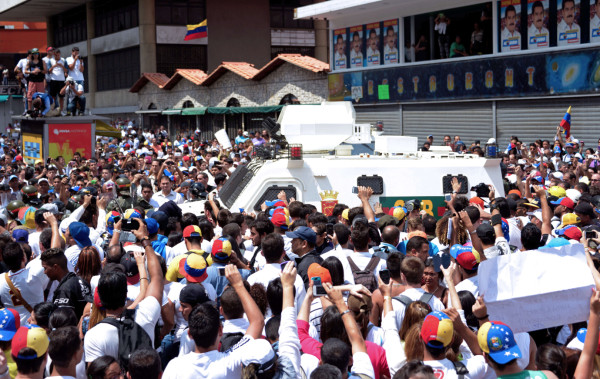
(461, 369)
(132, 337)
(366, 276)
(426, 297)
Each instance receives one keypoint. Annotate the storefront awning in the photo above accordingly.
(149, 111)
(239, 110)
(3, 98)
(193, 111)
(105, 130)
(171, 112)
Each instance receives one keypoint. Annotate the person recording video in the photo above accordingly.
(75, 98)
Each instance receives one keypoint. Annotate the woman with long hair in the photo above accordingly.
(88, 264)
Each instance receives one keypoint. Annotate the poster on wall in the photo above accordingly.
(68, 139)
(373, 44)
(355, 36)
(594, 21)
(538, 35)
(32, 148)
(390, 42)
(340, 60)
(510, 25)
(568, 31)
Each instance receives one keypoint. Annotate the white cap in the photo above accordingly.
(537, 213)
(212, 161)
(512, 179)
(557, 175)
(577, 342)
(260, 353)
(52, 208)
(574, 140)
(573, 194)
(522, 161)
(491, 140)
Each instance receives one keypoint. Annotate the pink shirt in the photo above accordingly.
(313, 347)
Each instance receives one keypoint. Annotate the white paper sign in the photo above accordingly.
(537, 289)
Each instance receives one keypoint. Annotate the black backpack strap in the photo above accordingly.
(251, 264)
(372, 264)
(426, 297)
(461, 369)
(403, 299)
(353, 265)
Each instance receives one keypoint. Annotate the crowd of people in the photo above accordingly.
(47, 81)
(127, 263)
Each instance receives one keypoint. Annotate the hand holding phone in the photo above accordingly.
(318, 289)
(385, 276)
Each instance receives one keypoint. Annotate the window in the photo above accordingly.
(171, 57)
(70, 27)
(188, 104)
(282, 14)
(117, 69)
(233, 102)
(289, 99)
(115, 15)
(303, 50)
(180, 12)
(152, 106)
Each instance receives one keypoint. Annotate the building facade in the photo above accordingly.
(477, 69)
(121, 39)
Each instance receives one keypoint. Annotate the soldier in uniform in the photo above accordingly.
(29, 194)
(124, 201)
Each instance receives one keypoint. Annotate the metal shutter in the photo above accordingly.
(389, 114)
(538, 119)
(471, 121)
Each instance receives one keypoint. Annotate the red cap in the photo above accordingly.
(515, 191)
(18, 158)
(477, 201)
(316, 270)
(49, 48)
(192, 231)
(186, 158)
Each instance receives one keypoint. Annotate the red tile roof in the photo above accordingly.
(193, 75)
(243, 69)
(305, 62)
(157, 78)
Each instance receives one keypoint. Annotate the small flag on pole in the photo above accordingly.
(565, 124)
(196, 31)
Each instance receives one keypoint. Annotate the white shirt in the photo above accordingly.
(361, 260)
(159, 198)
(390, 54)
(212, 364)
(76, 74)
(568, 35)
(46, 60)
(373, 57)
(272, 271)
(22, 64)
(510, 41)
(356, 59)
(31, 282)
(58, 72)
(595, 29)
(537, 38)
(469, 284)
(340, 61)
(34, 243)
(445, 369)
(414, 294)
(441, 28)
(72, 254)
(70, 94)
(514, 233)
(103, 339)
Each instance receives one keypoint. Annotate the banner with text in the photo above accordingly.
(68, 139)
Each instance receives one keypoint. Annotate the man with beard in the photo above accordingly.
(537, 34)
(568, 30)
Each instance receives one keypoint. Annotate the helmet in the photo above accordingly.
(14, 206)
(28, 192)
(198, 190)
(123, 185)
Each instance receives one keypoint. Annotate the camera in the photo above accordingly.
(412, 205)
(482, 190)
(130, 224)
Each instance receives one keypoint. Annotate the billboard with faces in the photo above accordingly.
(538, 35)
(390, 42)
(568, 31)
(510, 25)
(373, 44)
(355, 39)
(340, 49)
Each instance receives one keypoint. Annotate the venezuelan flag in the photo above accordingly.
(565, 124)
(196, 31)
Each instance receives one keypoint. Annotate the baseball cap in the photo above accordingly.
(193, 268)
(50, 207)
(477, 201)
(261, 353)
(20, 235)
(398, 212)
(486, 231)
(557, 191)
(316, 270)
(345, 214)
(304, 233)
(437, 330)
(80, 233)
(192, 231)
(556, 150)
(43, 180)
(568, 144)
(537, 213)
(49, 48)
(573, 194)
(386, 220)
(30, 336)
(566, 201)
(570, 232)
(280, 220)
(585, 209)
(162, 219)
(569, 219)
(467, 257)
(12, 177)
(360, 305)
(193, 293)
(498, 341)
(221, 250)
(516, 192)
(131, 270)
(152, 226)
(577, 342)
(9, 324)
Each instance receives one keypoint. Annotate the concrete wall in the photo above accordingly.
(114, 98)
(250, 39)
(307, 86)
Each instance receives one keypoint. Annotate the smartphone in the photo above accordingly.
(127, 237)
(354, 189)
(329, 229)
(448, 197)
(385, 276)
(221, 271)
(318, 289)
(510, 169)
(283, 264)
(590, 234)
